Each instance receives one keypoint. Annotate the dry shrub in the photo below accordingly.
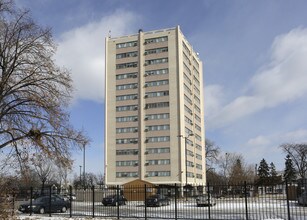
(6, 200)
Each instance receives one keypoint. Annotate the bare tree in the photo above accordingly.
(100, 180)
(225, 162)
(62, 175)
(298, 154)
(234, 169)
(34, 91)
(6, 6)
(88, 181)
(212, 153)
(44, 168)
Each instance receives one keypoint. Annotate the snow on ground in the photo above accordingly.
(76, 218)
(37, 217)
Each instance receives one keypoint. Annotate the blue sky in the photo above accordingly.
(254, 55)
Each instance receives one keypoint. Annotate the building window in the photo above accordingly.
(188, 99)
(198, 147)
(197, 99)
(198, 166)
(126, 65)
(186, 47)
(126, 76)
(196, 81)
(158, 139)
(126, 130)
(158, 162)
(156, 50)
(188, 131)
(158, 127)
(127, 141)
(197, 90)
(126, 163)
(199, 157)
(190, 153)
(195, 62)
(126, 119)
(157, 116)
(189, 174)
(188, 110)
(128, 54)
(127, 86)
(157, 105)
(196, 72)
(156, 72)
(127, 44)
(197, 118)
(156, 40)
(126, 174)
(157, 94)
(126, 108)
(187, 89)
(156, 61)
(190, 164)
(189, 121)
(127, 152)
(198, 127)
(198, 137)
(187, 78)
(156, 83)
(185, 57)
(126, 97)
(189, 142)
(199, 176)
(197, 108)
(186, 69)
(158, 150)
(158, 173)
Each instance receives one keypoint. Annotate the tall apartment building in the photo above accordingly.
(154, 109)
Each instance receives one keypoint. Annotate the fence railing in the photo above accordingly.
(242, 201)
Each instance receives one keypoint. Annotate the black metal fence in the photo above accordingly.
(243, 201)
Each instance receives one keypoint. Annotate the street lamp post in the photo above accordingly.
(186, 161)
(84, 165)
(80, 174)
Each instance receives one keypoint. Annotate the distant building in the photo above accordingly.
(154, 93)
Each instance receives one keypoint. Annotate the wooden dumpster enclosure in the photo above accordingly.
(135, 190)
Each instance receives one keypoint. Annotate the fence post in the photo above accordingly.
(288, 204)
(176, 201)
(117, 200)
(31, 197)
(50, 201)
(70, 199)
(13, 205)
(209, 200)
(245, 195)
(145, 202)
(93, 195)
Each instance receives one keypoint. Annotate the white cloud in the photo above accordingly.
(298, 136)
(214, 95)
(282, 80)
(267, 146)
(82, 51)
(259, 141)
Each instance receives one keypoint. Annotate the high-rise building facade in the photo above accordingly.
(154, 113)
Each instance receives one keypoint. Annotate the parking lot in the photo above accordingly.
(225, 208)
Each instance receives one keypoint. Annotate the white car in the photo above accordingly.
(203, 200)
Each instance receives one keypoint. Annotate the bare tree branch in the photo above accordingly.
(34, 92)
(298, 154)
